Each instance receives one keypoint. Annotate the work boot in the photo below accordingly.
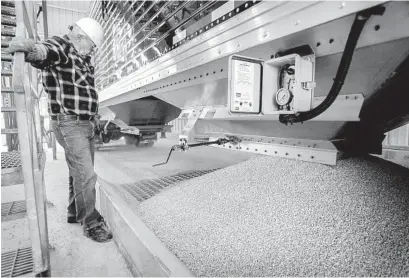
(73, 219)
(98, 233)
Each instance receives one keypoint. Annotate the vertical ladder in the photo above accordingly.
(28, 156)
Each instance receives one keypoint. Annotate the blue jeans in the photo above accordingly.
(77, 139)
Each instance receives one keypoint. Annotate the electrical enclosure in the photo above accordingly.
(245, 85)
(302, 88)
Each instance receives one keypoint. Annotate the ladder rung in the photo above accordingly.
(6, 58)
(8, 33)
(9, 131)
(6, 73)
(7, 91)
(8, 21)
(8, 10)
(7, 3)
(8, 109)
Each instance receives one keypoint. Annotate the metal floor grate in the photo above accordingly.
(145, 189)
(10, 159)
(13, 207)
(16, 263)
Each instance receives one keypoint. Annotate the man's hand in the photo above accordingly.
(97, 121)
(19, 44)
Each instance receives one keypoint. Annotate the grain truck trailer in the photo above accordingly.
(302, 83)
(302, 80)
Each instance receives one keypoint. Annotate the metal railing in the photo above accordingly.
(25, 82)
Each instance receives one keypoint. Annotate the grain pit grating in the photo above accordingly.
(10, 160)
(17, 262)
(13, 208)
(145, 189)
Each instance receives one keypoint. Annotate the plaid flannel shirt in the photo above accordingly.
(68, 79)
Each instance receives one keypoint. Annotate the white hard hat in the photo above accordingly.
(92, 28)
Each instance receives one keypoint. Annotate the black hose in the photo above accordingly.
(343, 68)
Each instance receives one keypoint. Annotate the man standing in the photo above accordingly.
(68, 78)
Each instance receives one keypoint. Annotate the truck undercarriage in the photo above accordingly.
(189, 72)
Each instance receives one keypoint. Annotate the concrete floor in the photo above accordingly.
(72, 254)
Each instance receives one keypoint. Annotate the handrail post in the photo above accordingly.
(32, 169)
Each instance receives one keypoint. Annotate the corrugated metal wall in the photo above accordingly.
(61, 14)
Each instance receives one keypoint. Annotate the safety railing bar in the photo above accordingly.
(27, 22)
(206, 6)
(26, 141)
(110, 35)
(45, 19)
(134, 13)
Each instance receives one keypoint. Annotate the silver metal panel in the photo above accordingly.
(313, 130)
(61, 14)
(305, 150)
(237, 38)
(145, 112)
(259, 33)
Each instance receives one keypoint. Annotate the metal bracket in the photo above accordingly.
(193, 116)
(323, 152)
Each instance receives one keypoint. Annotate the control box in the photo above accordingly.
(245, 85)
(282, 85)
(288, 84)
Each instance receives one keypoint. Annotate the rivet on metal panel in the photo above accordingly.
(230, 14)
(299, 155)
(347, 97)
(265, 34)
(312, 157)
(256, 150)
(286, 153)
(237, 10)
(265, 151)
(275, 152)
(246, 5)
(238, 44)
(247, 148)
(224, 17)
(342, 5)
(297, 22)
